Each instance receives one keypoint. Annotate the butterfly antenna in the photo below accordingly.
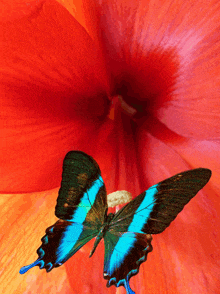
(24, 269)
(127, 286)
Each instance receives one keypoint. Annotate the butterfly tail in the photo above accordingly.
(26, 268)
(127, 286)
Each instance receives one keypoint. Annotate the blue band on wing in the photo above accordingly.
(70, 237)
(143, 212)
(123, 245)
(87, 201)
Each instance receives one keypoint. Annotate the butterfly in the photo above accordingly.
(82, 212)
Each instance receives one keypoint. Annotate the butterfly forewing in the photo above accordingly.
(152, 211)
(82, 195)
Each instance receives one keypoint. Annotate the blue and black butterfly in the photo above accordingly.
(82, 210)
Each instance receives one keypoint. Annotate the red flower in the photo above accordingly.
(61, 76)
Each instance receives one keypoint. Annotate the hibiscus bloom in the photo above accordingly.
(135, 84)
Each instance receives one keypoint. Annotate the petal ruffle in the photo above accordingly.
(53, 97)
(85, 12)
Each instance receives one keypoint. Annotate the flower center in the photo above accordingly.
(144, 85)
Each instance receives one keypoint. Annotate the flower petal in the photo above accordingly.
(86, 274)
(85, 12)
(194, 109)
(195, 153)
(27, 216)
(53, 97)
(15, 9)
(164, 60)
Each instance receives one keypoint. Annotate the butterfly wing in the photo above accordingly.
(152, 211)
(81, 206)
(124, 252)
(82, 195)
(61, 241)
(126, 245)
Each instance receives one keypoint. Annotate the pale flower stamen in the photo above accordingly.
(118, 197)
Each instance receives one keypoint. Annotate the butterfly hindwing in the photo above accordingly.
(124, 252)
(152, 211)
(61, 241)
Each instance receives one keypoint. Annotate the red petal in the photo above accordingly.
(86, 274)
(15, 9)
(164, 59)
(194, 108)
(53, 97)
(28, 215)
(195, 153)
(85, 12)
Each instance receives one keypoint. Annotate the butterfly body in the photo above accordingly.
(82, 212)
(102, 232)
